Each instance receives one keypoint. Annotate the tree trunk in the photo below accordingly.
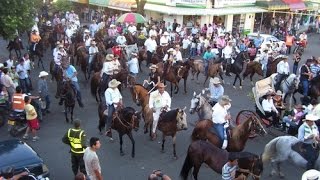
(140, 6)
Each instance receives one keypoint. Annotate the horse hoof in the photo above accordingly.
(252, 83)
(175, 157)
(121, 153)
(145, 132)
(273, 172)
(240, 87)
(132, 155)
(234, 87)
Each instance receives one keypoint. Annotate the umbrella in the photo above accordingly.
(131, 17)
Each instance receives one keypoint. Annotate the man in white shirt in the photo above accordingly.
(159, 100)
(10, 61)
(69, 34)
(185, 45)
(221, 117)
(93, 50)
(178, 55)
(283, 72)
(151, 46)
(58, 57)
(113, 101)
(121, 39)
(165, 39)
(153, 31)
(178, 29)
(269, 109)
(23, 75)
(132, 29)
(109, 68)
(210, 31)
(133, 65)
(226, 54)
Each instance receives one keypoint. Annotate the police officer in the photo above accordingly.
(76, 139)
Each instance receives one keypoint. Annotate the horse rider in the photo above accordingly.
(154, 77)
(34, 39)
(208, 57)
(308, 133)
(107, 68)
(57, 58)
(304, 39)
(132, 29)
(76, 139)
(216, 90)
(93, 28)
(305, 77)
(70, 74)
(69, 34)
(56, 49)
(121, 39)
(283, 71)
(178, 55)
(159, 101)
(93, 50)
(113, 101)
(165, 39)
(112, 31)
(263, 59)
(227, 53)
(86, 32)
(151, 46)
(153, 31)
(221, 118)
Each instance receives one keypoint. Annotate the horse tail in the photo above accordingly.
(93, 86)
(187, 165)
(269, 150)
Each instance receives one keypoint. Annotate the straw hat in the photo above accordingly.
(311, 174)
(43, 73)
(311, 117)
(161, 85)
(134, 54)
(109, 57)
(225, 99)
(153, 66)
(93, 43)
(112, 25)
(1, 65)
(60, 46)
(166, 33)
(86, 31)
(170, 50)
(279, 93)
(58, 43)
(114, 83)
(216, 81)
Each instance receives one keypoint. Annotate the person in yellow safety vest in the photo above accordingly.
(289, 42)
(76, 138)
(34, 40)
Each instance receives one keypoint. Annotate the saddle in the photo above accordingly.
(228, 131)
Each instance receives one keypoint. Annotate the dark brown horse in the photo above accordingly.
(141, 96)
(68, 96)
(142, 56)
(252, 68)
(15, 45)
(82, 58)
(204, 152)
(170, 123)
(37, 52)
(58, 76)
(214, 69)
(97, 62)
(124, 121)
(237, 66)
(238, 135)
(161, 51)
(58, 31)
(314, 90)
(130, 38)
(272, 65)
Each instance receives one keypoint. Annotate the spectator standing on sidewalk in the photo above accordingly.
(91, 160)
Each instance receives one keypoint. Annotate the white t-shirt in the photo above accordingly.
(185, 43)
(151, 45)
(91, 162)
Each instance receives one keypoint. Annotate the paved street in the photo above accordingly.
(148, 156)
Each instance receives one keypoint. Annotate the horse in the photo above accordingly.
(252, 68)
(214, 68)
(200, 105)
(140, 96)
(16, 45)
(161, 51)
(82, 58)
(237, 66)
(238, 135)
(170, 123)
(197, 66)
(142, 56)
(173, 74)
(281, 149)
(97, 62)
(68, 94)
(58, 76)
(130, 38)
(314, 90)
(124, 121)
(58, 31)
(37, 52)
(272, 64)
(204, 152)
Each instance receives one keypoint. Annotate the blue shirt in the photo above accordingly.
(242, 47)
(257, 42)
(216, 92)
(208, 56)
(69, 72)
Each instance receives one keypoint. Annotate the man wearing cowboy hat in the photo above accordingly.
(34, 39)
(221, 117)
(121, 39)
(44, 91)
(132, 29)
(308, 133)
(165, 39)
(133, 65)
(170, 55)
(151, 46)
(216, 90)
(107, 68)
(154, 77)
(178, 55)
(93, 50)
(86, 32)
(283, 71)
(58, 57)
(113, 101)
(159, 100)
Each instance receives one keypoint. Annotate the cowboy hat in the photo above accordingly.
(177, 46)
(166, 33)
(225, 98)
(93, 42)
(114, 83)
(216, 80)
(43, 73)
(154, 26)
(279, 93)
(134, 54)
(311, 174)
(34, 30)
(311, 117)
(161, 85)
(86, 31)
(170, 50)
(58, 43)
(1, 65)
(112, 25)
(153, 66)
(221, 34)
(60, 46)
(109, 57)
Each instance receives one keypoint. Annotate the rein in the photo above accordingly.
(249, 172)
(127, 126)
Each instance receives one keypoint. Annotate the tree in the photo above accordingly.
(140, 6)
(16, 15)
(62, 5)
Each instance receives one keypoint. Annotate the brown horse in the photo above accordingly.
(170, 123)
(140, 96)
(272, 65)
(214, 69)
(124, 121)
(68, 96)
(82, 58)
(197, 67)
(130, 38)
(58, 76)
(204, 152)
(252, 68)
(161, 51)
(37, 52)
(238, 135)
(142, 56)
(58, 31)
(15, 45)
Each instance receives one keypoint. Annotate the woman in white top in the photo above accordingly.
(270, 110)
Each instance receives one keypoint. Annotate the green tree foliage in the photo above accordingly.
(62, 5)
(16, 15)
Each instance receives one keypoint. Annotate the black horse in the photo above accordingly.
(314, 88)
(15, 45)
(37, 51)
(237, 66)
(68, 96)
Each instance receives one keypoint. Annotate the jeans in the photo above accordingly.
(305, 86)
(295, 68)
(280, 78)
(111, 110)
(288, 49)
(56, 68)
(275, 119)
(75, 84)
(206, 66)
(311, 155)
(149, 56)
(48, 101)
(220, 130)
(90, 59)
(291, 123)
(77, 163)
(24, 85)
(193, 52)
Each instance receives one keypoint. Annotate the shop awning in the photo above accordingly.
(80, 1)
(295, 4)
(235, 10)
(122, 5)
(102, 3)
(273, 5)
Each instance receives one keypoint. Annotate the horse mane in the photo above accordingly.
(170, 115)
(127, 112)
(240, 130)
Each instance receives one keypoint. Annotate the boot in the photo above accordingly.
(109, 133)
(61, 102)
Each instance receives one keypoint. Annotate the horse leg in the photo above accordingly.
(220, 74)
(40, 60)
(195, 171)
(281, 175)
(273, 171)
(163, 140)
(133, 144)
(176, 87)
(121, 142)
(185, 85)
(251, 75)
(207, 76)
(171, 89)
(174, 137)
(235, 80)
(240, 81)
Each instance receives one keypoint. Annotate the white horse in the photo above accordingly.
(279, 150)
(200, 105)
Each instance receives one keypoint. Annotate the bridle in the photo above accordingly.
(126, 124)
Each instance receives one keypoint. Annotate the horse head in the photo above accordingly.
(243, 57)
(135, 95)
(256, 126)
(195, 103)
(293, 82)
(181, 119)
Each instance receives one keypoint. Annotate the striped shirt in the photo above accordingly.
(228, 172)
(315, 69)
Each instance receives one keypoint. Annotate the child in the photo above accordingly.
(33, 123)
(230, 168)
(44, 91)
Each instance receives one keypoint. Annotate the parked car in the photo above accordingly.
(265, 39)
(21, 157)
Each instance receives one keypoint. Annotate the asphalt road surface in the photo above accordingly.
(148, 156)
